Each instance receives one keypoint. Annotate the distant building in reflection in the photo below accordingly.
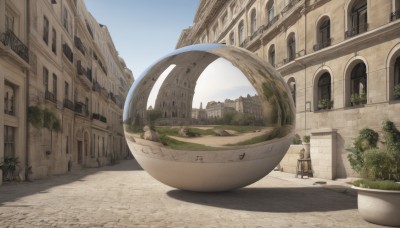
(250, 105)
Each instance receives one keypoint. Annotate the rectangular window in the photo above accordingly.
(9, 22)
(9, 99)
(55, 85)
(66, 90)
(65, 19)
(9, 141)
(46, 78)
(46, 30)
(54, 41)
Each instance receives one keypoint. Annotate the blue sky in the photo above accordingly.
(143, 31)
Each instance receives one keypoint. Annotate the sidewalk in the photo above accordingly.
(338, 185)
(124, 195)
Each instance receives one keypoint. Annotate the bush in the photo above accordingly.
(376, 163)
(306, 139)
(296, 139)
(382, 185)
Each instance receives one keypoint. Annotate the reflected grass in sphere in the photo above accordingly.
(209, 117)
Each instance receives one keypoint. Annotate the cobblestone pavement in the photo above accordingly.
(123, 195)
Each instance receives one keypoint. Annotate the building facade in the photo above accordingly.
(340, 58)
(64, 90)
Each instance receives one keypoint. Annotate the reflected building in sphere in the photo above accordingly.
(341, 60)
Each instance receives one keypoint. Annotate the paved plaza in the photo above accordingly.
(124, 195)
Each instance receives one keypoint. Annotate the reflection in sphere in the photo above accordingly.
(208, 118)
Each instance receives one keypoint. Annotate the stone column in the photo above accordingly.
(323, 153)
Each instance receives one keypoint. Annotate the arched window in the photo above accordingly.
(253, 21)
(397, 78)
(358, 85)
(292, 85)
(291, 47)
(270, 11)
(323, 34)
(9, 99)
(241, 32)
(271, 55)
(396, 10)
(358, 22)
(232, 38)
(324, 91)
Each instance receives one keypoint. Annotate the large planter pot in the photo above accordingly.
(379, 206)
(307, 150)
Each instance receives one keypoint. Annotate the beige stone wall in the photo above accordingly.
(289, 162)
(48, 152)
(378, 48)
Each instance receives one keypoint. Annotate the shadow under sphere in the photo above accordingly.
(233, 141)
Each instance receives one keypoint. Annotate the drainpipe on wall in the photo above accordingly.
(27, 73)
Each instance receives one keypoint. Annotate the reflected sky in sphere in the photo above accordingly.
(212, 84)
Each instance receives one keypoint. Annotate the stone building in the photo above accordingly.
(341, 59)
(61, 63)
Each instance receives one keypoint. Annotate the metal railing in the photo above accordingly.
(395, 15)
(8, 38)
(322, 45)
(50, 96)
(69, 104)
(68, 52)
(289, 5)
(271, 22)
(361, 28)
(79, 45)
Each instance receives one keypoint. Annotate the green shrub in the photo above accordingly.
(376, 163)
(381, 185)
(296, 140)
(306, 139)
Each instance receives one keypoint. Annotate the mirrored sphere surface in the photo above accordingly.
(209, 117)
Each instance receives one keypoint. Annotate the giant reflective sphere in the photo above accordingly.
(209, 117)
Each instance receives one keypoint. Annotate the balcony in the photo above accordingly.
(69, 104)
(289, 5)
(112, 97)
(322, 45)
(96, 87)
(395, 15)
(81, 109)
(89, 29)
(271, 22)
(99, 117)
(79, 45)
(50, 96)
(10, 39)
(68, 52)
(356, 30)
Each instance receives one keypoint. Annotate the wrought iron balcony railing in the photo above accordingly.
(79, 45)
(271, 22)
(69, 104)
(289, 5)
(8, 38)
(68, 52)
(395, 15)
(96, 87)
(97, 116)
(322, 45)
(50, 96)
(81, 108)
(361, 28)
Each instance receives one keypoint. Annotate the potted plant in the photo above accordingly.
(397, 91)
(354, 99)
(378, 191)
(8, 167)
(306, 144)
(325, 104)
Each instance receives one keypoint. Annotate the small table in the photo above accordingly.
(303, 168)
